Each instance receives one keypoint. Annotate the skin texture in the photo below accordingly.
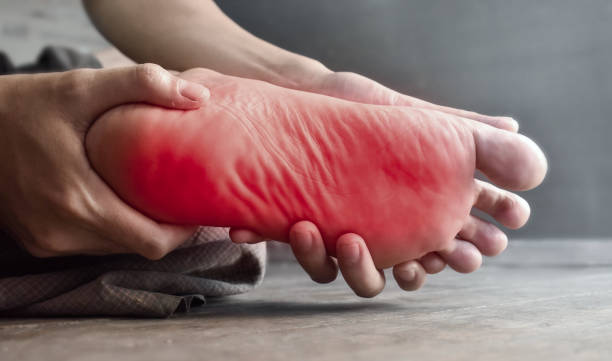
(61, 207)
(205, 37)
(463, 255)
(262, 157)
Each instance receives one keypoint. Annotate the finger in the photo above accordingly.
(309, 250)
(489, 239)
(103, 89)
(432, 263)
(357, 266)
(462, 256)
(244, 236)
(507, 208)
(122, 224)
(410, 276)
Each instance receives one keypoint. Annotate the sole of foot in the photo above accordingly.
(260, 157)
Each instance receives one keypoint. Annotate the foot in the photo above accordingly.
(261, 157)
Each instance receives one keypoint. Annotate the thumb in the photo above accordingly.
(145, 83)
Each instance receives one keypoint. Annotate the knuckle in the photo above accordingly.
(505, 202)
(73, 84)
(150, 75)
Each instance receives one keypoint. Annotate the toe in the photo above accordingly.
(507, 208)
(501, 122)
(410, 276)
(462, 256)
(357, 266)
(309, 250)
(505, 123)
(487, 238)
(432, 263)
(509, 160)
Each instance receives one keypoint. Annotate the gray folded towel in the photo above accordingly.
(208, 265)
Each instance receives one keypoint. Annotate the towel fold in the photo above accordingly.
(210, 265)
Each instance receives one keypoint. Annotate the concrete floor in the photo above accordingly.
(544, 300)
(26, 26)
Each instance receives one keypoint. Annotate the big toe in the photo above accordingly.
(509, 160)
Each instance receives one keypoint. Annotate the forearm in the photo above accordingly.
(185, 34)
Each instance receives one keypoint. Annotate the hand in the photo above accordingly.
(53, 203)
(353, 260)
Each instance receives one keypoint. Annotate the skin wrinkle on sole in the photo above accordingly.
(262, 158)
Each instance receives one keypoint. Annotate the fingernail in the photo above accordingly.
(304, 241)
(349, 252)
(193, 91)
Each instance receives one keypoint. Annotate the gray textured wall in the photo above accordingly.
(547, 62)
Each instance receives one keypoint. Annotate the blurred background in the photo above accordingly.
(547, 63)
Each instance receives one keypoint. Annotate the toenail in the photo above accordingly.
(349, 252)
